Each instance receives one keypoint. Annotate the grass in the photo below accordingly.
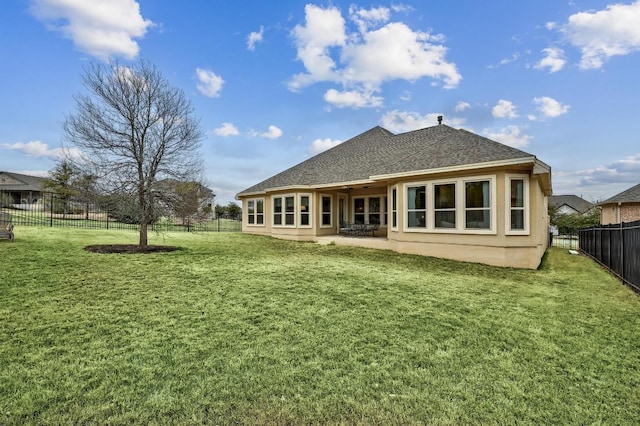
(240, 329)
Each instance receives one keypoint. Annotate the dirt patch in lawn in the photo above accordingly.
(128, 249)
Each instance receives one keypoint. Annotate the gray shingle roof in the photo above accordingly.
(631, 195)
(25, 182)
(577, 203)
(380, 152)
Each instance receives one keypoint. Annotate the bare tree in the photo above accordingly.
(61, 182)
(134, 128)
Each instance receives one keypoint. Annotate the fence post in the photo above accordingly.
(51, 212)
(218, 222)
(622, 250)
(609, 249)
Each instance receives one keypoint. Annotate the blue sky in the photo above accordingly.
(274, 83)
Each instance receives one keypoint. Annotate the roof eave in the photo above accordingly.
(457, 168)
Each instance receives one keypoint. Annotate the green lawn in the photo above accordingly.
(243, 329)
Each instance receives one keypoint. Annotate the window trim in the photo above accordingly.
(525, 204)
(460, 206)
(283, 213)
(394, 209)
(492, 205)
(255, 214)
(382, 208)
(322, 212)
(298, 211)
(427, 206)
(456, 201)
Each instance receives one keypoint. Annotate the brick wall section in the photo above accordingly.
(629, 212)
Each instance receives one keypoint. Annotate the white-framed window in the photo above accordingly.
(369, 209)
(517, 204)
(477, 204)
(444, 205)
(255, 212)
(292, 210)
(326, 206)
(416, 206)
(304, 209)
(284, 207)
(461, 205)
(394, 208)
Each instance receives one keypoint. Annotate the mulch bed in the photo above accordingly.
(128, 249)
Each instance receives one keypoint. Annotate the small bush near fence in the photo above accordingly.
(617, 247)
(52, 212)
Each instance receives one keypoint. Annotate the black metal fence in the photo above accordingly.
(48, 210)
(567, 241)
(616, 247)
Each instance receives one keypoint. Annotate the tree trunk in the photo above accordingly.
(143, 234)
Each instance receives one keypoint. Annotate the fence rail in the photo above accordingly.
(567, 241)
(616, 247)
(46, 210)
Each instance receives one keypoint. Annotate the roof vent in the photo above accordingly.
(439, 119)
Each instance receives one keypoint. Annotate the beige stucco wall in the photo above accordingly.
(495, 247)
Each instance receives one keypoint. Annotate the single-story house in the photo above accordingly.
(622, 207)
(21, 189)
(570, 204)
(437, 191)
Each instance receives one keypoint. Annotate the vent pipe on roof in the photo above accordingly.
(439, 119)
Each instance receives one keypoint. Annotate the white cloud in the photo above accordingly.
(404, 121)
(362, 59)
(549, 107)
(324, 29)
(505, 61)
(554, 59)
(210, 84)
(227, 129)
(461, 106)
(273, 132)
(352, 99)
(626, 170)
(320, 145)
(101, 28)
(510, 135)
(364, 18)
(254, 38)
(504, 109)
(605, 33)
(39, 149)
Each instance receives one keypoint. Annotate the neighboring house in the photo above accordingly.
(570, 204)
(623, 207)
(21, 189)
(437, 191)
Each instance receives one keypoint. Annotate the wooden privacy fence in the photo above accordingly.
(616, 247)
